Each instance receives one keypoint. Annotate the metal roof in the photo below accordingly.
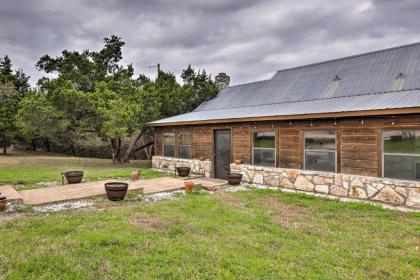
(356, 83)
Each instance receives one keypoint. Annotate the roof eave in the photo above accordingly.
(378, 112)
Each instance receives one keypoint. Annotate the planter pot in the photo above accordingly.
(116, 190)
(234, 178)
(74, 177)
(202, 158)
(189, 186)
(238, 161)
(183, 171)
(2, 203)
(135, 175)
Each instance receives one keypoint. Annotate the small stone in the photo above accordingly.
(318, 180)
(356, 182)
(302, 183)
(322, 188)
(338, 191)
(258, 178)
(292, 174)
(402, 191)
(358, 193)
(329, 181)
(272, 181)
(285, 183)
(389, 195)
(338, 180)
(371, 191)
(413, 199)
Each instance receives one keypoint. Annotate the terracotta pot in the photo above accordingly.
(2, 203)
(189, 186)
(183, 171)
(234, 178)
(202, 158)
(135, 175)
(74, 177)
(238, 161)
(116, 191)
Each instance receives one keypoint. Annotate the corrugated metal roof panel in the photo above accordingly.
(390, 100)
(304, 90)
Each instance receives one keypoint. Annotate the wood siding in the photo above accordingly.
(359, 140)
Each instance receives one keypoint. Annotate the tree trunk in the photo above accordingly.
(33, 145)
(132, 145)
(47, 145)
(113, 150)
(5, 149)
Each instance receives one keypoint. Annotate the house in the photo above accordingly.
(346, 127)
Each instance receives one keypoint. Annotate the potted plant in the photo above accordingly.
(183, 171)
(234, 178)
(2, 202)
(74, 177)
(189, 186)
(238, 161)
(135, 175)
(116, 191)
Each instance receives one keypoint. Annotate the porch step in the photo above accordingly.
(12, 196)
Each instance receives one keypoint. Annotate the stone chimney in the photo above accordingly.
(222, 80)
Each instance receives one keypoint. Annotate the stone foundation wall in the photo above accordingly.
(395, 192)
(202, 167)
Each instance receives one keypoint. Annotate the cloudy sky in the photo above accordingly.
(248, 39)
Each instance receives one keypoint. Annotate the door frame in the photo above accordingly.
(214, 146)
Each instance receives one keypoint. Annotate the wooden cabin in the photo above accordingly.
(354, 115)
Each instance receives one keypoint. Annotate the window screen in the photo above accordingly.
(184, 145)
(169, 145)
(320, 150)
(401, 154)
(264, 148)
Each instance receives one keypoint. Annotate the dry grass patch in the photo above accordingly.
(231, 199)
(286, 215)
(150, 223)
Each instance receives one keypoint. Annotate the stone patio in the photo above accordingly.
(96, 188)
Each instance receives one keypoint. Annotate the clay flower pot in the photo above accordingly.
(2, 203)
(116, 191)
(202, 158)
(74, 177)
(135, 175)
(234, 178)
(189, 186)
(238, 161)
(183, 171)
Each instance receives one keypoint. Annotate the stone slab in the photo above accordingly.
(12, 196)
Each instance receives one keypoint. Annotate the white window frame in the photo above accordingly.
(394, 154)
(163, 144)
(317, 150)
(275, 147)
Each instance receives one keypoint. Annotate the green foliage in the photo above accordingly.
(15, 77)
(9, 101)
(37, 118)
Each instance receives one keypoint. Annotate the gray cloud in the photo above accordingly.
(250, 40)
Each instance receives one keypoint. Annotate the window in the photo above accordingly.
(169, 145)
(184, 145)
(264, 149)
(320, 150)
(401, 154)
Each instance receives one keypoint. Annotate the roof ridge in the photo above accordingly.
(348, 57)
(249, 83)
(299, 101)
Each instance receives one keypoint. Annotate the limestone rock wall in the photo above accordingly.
(203, 167)
(395, 192)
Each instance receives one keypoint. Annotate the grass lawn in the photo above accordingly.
(25, 171)
(259, 234)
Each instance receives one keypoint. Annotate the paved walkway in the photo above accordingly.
(89, 189)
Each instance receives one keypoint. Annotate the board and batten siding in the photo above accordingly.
(359, 140)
